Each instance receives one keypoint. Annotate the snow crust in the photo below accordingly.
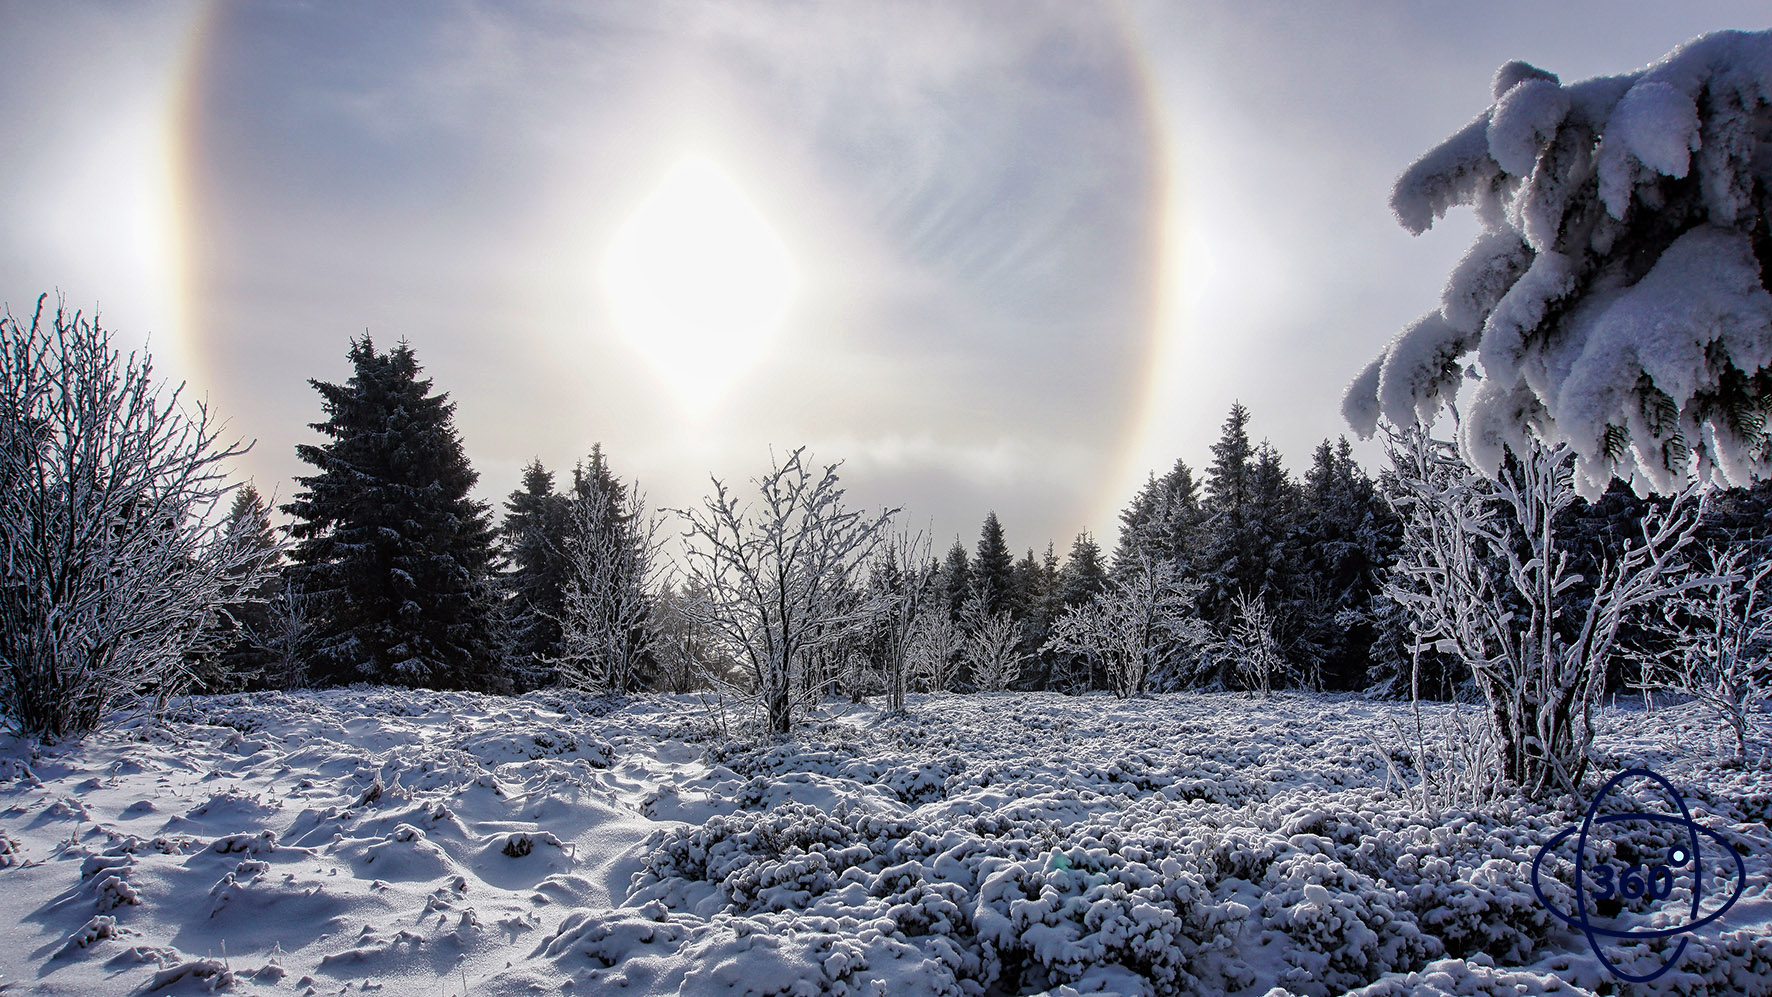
(1616, 282)
(413, 843)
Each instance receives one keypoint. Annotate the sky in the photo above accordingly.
(993, 256)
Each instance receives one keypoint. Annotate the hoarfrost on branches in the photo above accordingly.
(611, 555)
(777, 579)
(1138, 620)
(1486, 572)
(935, 647)
(1616, 299)
(1719, 640)
(990, 644)
(114, 555)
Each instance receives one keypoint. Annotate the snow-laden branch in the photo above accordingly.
(1616, 298)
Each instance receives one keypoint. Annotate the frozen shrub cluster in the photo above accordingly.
(1165, 852)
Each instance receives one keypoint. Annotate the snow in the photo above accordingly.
(1615, 298)
(409, 842)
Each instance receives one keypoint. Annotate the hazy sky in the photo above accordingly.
(1000, 256)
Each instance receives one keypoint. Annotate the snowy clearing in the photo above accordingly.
(372, 840)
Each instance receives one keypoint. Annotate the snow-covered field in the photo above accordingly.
(377, 841)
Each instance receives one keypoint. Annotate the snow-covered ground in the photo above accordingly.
(378, 841)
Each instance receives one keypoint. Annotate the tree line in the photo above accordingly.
(1240, 576)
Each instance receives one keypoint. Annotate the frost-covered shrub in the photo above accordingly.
(1047, 922)
(1343, 928)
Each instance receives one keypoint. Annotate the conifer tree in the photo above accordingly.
(1348, 538)
(1228, 560)
(1079, 581)
(956, 578)
(392, 558)
(1161, 522)
(993, 569)
(244, 659)
(532, 541)
(1083, 574)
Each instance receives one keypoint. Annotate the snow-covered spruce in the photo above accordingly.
(1616, 297)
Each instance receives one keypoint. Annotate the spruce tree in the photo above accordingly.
(956, 578)
(1348, 539)
(532, 542)
(993, 569)
(1228, 561)
(243, 660)
(392, 558)
(1083, 574)
(1162, 522)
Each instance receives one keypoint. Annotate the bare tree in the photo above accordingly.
(1485, 573)
(990, 645)
(777, 577)
(1136, 622)
(1720, 639)
(1253, 646)
(682, 646)
(612, 546)
(935, 646)
(901, 588)
(114, 554)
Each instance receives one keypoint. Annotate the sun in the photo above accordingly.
(698, 282)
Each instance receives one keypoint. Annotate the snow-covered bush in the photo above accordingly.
(1343, 928)
(1616, 298)
(1719, 640)
(990, 644)
(114, 557)
(777, 578)
(1486, 571)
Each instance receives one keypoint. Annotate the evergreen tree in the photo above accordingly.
(532, 541)
(1272, 515)
(610, 545)
(993, 570)
(1229, 561)
(1083, 576)
(956, 578)
(1162, 522)
(244, 661)
(392, 558)
(1347, 540)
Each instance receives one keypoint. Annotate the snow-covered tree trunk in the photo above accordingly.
(1720, 639)
(777, 576)
(114, 553)
(611, 552)
(1485, 573)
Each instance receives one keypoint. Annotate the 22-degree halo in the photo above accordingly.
(698, 282)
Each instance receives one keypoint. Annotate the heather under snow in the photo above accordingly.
(379, 841)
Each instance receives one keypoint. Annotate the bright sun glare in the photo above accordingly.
(698, 282)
